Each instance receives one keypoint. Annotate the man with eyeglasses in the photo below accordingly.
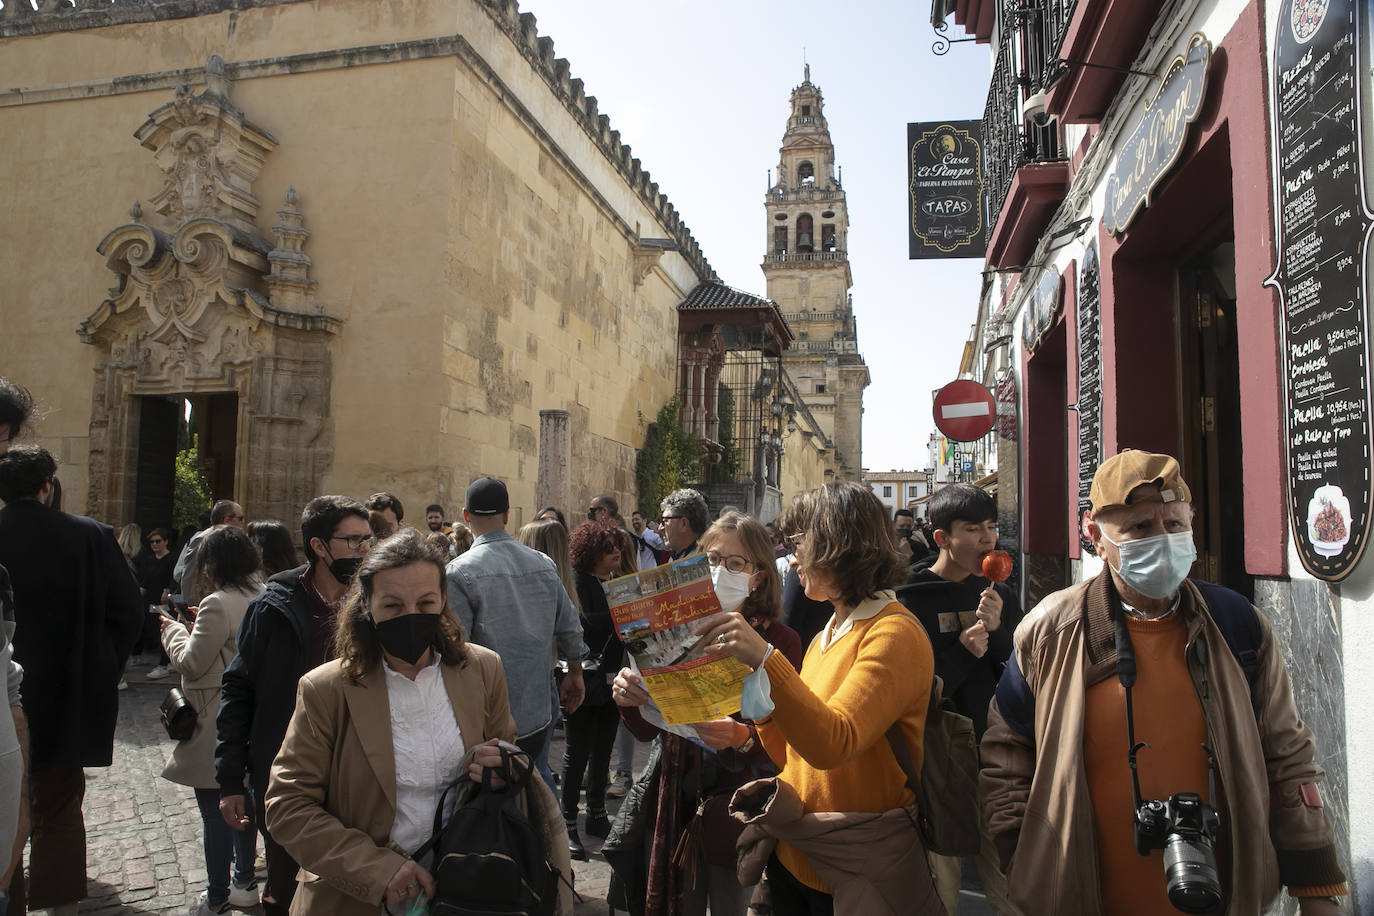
(287, 631)
(683, 518)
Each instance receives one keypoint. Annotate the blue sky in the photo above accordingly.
(700, 92)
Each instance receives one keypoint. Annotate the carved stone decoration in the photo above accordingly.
(289, 282)
(187, 315)
(208, 153)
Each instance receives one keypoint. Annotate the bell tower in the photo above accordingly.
(806, 267)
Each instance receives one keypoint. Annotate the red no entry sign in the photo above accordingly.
(964, 410)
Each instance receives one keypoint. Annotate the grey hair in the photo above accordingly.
(689, 504)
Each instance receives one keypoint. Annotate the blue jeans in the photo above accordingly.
(224, 844)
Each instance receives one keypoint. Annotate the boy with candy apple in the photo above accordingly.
(960, 597)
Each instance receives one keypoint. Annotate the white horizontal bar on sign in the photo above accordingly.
(954, 411)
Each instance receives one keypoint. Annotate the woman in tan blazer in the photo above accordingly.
(229, 568)
(378, 734)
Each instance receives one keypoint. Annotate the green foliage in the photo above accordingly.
(192, 493)
(667, 461)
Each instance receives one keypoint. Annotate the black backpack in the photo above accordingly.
(489, 859)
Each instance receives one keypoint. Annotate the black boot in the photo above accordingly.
(598, 824)
(576, 850)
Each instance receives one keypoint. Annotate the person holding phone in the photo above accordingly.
(200, 643)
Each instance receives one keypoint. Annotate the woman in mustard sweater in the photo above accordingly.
(870, 667)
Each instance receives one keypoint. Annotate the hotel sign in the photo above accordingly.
(945, 190)
(1151, 151)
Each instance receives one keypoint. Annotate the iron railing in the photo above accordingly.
(790, 257)
(1026, 55)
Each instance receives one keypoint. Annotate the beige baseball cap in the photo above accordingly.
(1123, 472)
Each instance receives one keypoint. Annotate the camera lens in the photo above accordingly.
(1190, 873)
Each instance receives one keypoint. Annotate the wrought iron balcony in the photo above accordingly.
(1010, 141)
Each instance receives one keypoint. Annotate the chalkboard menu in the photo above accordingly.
(1089, 380)
(945, 190)
(1323, 226)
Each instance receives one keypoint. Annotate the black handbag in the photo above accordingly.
(178, 715)
(596, 681)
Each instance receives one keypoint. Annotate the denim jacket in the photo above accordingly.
(510, 599)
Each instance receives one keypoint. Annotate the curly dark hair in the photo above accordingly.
(355, 636)
(16, 408)
(841, 531)
(590, 541)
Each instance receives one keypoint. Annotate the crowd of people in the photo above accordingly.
(339, 700)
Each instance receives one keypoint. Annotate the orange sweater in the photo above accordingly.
(827, 730)
(1168, 714)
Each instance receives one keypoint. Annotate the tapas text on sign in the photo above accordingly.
(964, 411)
(1322, 228)
(1157, 142)
(945, 189)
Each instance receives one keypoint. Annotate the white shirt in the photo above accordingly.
(867, 608)
(428, 746)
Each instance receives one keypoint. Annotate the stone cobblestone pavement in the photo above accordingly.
(144, 851)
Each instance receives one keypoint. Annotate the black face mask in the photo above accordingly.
(345, 568)
(408, 636)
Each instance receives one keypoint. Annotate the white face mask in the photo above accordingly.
(731, 587)
(1156, 566)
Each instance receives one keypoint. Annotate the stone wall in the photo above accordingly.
(478, 229)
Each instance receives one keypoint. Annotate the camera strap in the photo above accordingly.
(1126, 673)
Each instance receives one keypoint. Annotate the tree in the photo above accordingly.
(191, 495)
(667, 462)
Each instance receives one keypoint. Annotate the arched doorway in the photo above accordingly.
(206, 310)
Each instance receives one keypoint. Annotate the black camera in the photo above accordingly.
(1185, 827)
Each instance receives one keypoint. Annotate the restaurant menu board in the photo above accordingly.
(1089, 380)
(1323, 226)
(945, 190)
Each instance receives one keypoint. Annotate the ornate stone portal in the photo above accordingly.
(203, 306)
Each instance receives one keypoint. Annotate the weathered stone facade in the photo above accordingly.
(481, 248)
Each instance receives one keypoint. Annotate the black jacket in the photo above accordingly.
(969, 681)
(77, 614)
(259, 692)
(598, 629)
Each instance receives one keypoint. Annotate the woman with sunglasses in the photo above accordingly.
(688, 794)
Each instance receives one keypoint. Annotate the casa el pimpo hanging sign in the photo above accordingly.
(1322, 231)
(945, 190)
(1157, 142)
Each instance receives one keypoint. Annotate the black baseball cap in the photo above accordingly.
(487, 496)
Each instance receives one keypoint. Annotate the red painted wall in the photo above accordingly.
(1226, 166)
